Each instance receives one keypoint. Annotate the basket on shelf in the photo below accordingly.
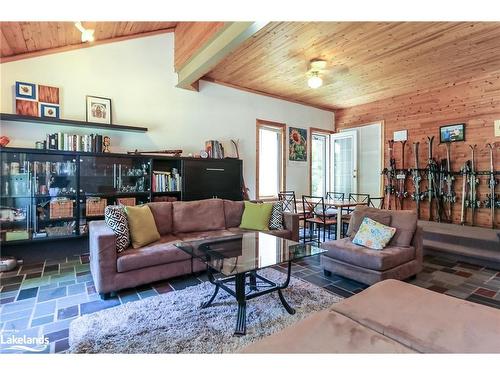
(61, 208)
(63, 230)
(125, 201)
(95, 206)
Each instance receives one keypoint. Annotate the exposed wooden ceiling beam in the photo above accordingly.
(225, 41)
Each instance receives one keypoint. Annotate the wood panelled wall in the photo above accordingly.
(475, 102)
(191, 36)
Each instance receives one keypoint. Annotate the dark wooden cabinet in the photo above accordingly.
(212, 178)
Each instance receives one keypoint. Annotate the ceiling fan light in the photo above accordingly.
(314, 82)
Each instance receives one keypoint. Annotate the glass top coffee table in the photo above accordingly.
(233, 261)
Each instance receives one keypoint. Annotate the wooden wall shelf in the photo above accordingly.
(73, 123)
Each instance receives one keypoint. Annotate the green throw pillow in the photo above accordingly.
(256, 216)
(142, 225)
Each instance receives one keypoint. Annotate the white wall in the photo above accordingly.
(138, 75)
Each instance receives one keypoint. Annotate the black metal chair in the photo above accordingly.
(290, 205)
(289, 201)
(361, 198)
(335, 195)
(377, 202)
(315, 206)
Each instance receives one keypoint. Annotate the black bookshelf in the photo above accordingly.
(73, 123)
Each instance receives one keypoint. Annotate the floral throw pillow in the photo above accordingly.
(373, 234)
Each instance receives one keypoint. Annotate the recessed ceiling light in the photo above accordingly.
(87, 34)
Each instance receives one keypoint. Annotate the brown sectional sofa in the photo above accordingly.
(401, 259)
(175, 221)
(391, 317)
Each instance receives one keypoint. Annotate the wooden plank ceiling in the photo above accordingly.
(367, 61)
(18, 38)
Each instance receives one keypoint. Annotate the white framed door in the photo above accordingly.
(344, 162)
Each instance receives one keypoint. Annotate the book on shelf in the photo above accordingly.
(73, 142)
(166, 181)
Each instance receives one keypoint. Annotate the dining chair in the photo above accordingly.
(377, 202)
(335, 195)
(289, 201)
(290, 205)
(318, 217)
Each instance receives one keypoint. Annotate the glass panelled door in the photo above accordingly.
(319, 164)
(344, 165)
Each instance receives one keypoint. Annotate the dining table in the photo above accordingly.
(340, 205)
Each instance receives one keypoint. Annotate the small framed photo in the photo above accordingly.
(25, 90)
(49, 110)
(452, 133)
(98, 109)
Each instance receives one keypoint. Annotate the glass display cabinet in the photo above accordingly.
(49, 194)
(38, 196)
(108, 180)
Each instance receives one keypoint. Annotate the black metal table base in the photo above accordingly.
(255, 282)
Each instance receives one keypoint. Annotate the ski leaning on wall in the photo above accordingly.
(390, 175)
(492, 202)
(416, 178)
(401, 175)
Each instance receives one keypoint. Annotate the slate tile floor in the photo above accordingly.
(41, 300)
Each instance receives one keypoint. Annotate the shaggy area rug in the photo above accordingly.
(175, 323)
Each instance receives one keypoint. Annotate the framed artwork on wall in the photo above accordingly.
(297, 144)
(98, 109)
(36, 100)
(452, 133)
(49, 110)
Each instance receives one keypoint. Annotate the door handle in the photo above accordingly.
(216, 169)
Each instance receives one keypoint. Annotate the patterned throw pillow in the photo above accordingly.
(373, 234)
(276, 219)
(116, 218)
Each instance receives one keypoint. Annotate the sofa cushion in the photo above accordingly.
(116, 218)
(276, 219)
(326, 332)
(207, 214)
(193, 236)
(405, 222)
(233, 210)
(160, 252)
(423, 320)
(360, 212)
(162, 213)
(142, 225)
(378, 260)
(373, 234)
(256, 216)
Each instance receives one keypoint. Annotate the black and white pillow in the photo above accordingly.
(116, 218)
(276, 219)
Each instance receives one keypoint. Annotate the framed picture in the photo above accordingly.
(25, 90)
(297, 144)
(98, 109)
(452, 133)
(49, 110)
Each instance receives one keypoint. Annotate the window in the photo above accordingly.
(319, 164)
(270, 159)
